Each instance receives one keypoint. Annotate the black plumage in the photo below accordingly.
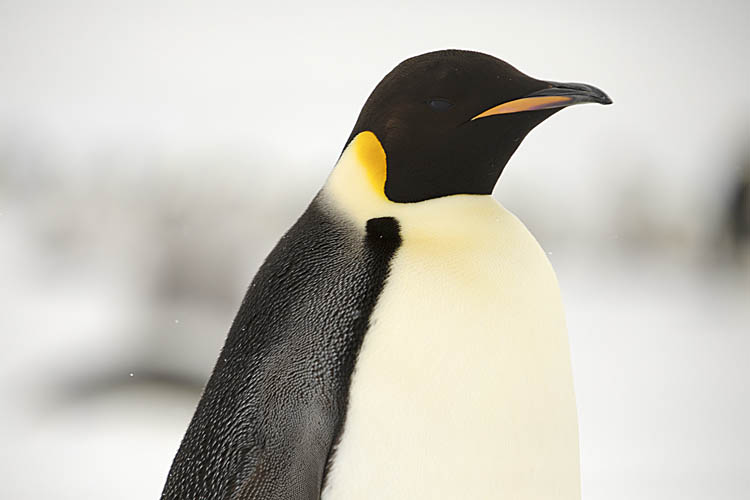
(274, 406)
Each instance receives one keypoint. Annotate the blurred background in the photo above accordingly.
(152, 153)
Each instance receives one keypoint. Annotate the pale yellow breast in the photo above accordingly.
(463, 386)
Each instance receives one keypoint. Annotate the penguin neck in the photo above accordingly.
(356, 188)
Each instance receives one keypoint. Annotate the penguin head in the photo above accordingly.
(449, 121)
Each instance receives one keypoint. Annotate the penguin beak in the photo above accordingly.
(555, 95)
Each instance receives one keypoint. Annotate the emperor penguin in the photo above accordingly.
(405, 339)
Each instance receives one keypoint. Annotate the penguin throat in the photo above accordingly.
(356, 189)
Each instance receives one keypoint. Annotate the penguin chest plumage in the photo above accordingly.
(463, 385)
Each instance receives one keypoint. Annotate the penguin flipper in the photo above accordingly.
(275, 403)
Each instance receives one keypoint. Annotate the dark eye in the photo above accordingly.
(440, 104)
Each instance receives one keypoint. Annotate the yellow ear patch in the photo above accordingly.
(371, 156)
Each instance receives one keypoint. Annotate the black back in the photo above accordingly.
(274, 407)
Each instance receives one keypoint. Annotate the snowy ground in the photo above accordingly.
(660, 361)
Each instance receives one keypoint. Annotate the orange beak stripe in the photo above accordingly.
(527, 104)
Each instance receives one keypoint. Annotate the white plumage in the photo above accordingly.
(463, 387)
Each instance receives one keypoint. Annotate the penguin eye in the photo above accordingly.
(440, 104)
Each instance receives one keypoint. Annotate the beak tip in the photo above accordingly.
(578, 93)
(597, 95)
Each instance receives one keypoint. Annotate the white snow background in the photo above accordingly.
(152, 152)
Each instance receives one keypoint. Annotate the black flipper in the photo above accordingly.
(275, 404)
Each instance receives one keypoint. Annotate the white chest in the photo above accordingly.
(463, 387)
